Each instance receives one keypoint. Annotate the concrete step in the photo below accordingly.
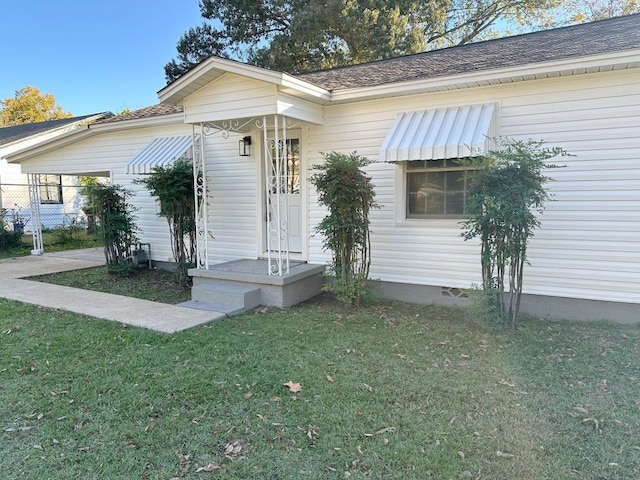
(228, 310)
(220, 293)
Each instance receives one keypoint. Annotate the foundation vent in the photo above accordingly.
(452, 292)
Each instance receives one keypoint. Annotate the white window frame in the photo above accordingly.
(46, 187)
(402, 186)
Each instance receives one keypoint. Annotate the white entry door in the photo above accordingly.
(290, 188)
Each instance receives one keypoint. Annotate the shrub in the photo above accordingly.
(117, 221)
(9, 238)
(348, 194)
(173, 186)
(508, 191)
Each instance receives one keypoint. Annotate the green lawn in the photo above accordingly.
(388, 391)
(53, 241)
(155, 285)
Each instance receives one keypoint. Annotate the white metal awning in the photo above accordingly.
(161, 151)
(453, 132)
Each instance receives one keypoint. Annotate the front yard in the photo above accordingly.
(388, 391)
(54, 241)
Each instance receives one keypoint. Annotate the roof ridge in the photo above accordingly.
(599, 37)
(481, 42)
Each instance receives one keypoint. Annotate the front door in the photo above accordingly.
(290, 190)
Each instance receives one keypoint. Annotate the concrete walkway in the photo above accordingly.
(156, 316)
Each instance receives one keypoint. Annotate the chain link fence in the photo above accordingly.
(60, 206)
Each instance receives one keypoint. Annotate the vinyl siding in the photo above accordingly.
(232, 185)
(588, 245)
(230, 96)
(110, 152)
(235, 97)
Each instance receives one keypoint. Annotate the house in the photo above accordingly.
(60, 201)
(255, 134)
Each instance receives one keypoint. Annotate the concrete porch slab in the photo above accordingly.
(303, 281)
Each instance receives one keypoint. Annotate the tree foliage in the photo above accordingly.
(173, 186)
(579, 11)
(29, 105)
(303, 35)
(508, 192)
(115, 215)
(349, 196)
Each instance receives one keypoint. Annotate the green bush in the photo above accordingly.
(115, 214)
(9, 238)
(508, 193)
(66, 235)
(348, 194)
(174, 187)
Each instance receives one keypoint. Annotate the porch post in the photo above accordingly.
(276, 171)
(200, 191)
(34, 204)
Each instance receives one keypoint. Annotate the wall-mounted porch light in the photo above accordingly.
(244, 146)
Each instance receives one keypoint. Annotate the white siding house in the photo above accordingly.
(60, 198)
(577, 88)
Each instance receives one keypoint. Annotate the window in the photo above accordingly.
(436, 188)
(50, 189)
(290, 184)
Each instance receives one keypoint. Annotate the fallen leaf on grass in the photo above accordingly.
(595, 422)
(232, 451)
(504, 455)
(330, 379)
(293, 387)
(311, 432)
(385, 430)
(208, 468)
(19, 429)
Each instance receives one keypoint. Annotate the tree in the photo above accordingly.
(580, 11)
(174, 187)
(303, 35)
(508, 191)
(115, 213)
(349, 196)
(30, 106)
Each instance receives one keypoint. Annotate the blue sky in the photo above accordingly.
(91, 55)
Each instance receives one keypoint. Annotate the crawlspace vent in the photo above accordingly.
(452, 292)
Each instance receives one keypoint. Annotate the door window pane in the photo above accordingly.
(290, 184)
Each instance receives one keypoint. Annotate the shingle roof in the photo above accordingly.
(605, 36)
(146, 112)
(18, 132)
